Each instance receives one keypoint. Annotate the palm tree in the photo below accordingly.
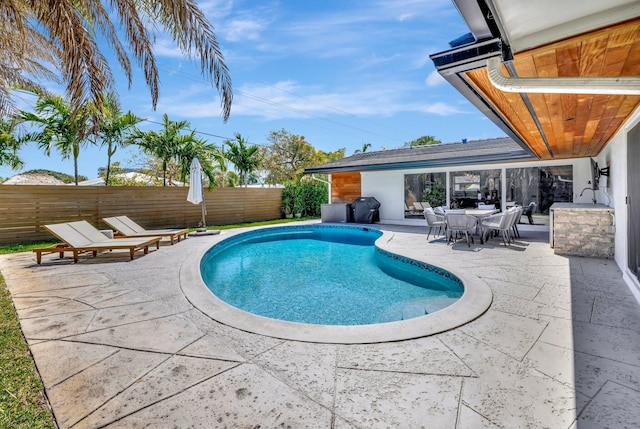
(246, 159)
(113, 128)
(197, 148)
(9, 144)
(34, 34)
(221, 167)
(166, 144)
(60, 125)
(365, 146)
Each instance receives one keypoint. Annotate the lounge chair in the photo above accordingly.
(81, 236)
(407, 209)
(128, 228)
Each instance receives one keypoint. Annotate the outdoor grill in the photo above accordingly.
(365, 210)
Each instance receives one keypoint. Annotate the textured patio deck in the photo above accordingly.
(119, 346)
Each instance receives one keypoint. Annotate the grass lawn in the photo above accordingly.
(22, 400)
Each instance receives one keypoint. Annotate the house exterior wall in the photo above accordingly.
(614, 188)
(388, 186)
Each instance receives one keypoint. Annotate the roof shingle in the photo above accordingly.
(448, 154)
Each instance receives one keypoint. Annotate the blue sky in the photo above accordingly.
(341, 73)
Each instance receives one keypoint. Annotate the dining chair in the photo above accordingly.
(460, 223)
(433, 221)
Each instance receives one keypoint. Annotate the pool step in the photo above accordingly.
(413, 310)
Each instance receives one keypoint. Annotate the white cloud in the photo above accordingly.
(434, 79)
(290, 100)
(243, 29)
(216, 9)
(441, 109)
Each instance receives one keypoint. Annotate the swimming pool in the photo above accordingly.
(476, 298)
(322, 274)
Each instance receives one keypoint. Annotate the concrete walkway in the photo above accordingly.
(118, 345)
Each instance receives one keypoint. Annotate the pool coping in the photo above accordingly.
(476, 299)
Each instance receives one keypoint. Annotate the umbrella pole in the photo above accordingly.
(203, 223)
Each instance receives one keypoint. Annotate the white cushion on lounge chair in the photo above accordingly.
(127, 227)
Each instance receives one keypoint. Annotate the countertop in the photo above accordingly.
(579, 206)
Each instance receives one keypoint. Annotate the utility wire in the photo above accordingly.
(289, 108)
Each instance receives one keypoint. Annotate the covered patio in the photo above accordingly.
(118, 344)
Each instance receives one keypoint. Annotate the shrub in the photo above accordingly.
(436, 195)
(304, 196)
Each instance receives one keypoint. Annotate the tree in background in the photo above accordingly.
(223, 177)
(201, 149)
(165, 144)
(9, 144)
(365, 146)
(423, 141)
(245, 158)
(61, 125)
(114, 128)
(287, 156)
(326, 157)
(67, 34)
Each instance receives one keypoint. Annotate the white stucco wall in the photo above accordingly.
(388, 186)
(614, 187)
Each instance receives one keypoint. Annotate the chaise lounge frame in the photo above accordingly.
(125, 227)
(80, 237)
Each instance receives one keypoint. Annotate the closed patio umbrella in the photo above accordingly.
(196, 195)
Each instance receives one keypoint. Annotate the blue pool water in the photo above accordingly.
(321, 274)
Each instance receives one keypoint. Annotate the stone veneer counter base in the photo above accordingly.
(582, 230)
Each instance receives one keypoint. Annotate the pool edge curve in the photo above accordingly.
(474, 302)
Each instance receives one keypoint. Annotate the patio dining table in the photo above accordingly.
(480, 214)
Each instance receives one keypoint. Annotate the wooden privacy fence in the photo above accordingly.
(24, 209)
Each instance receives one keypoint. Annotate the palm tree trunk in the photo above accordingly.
(106, 180)
(164, 173)
(75, 169)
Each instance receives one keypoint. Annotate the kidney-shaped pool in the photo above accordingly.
(331, 283)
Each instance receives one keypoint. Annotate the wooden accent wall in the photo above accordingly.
(24, 209)
(345, 187)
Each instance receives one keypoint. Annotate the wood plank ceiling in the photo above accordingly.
(569, 125)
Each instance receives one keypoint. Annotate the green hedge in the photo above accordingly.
(304, 196)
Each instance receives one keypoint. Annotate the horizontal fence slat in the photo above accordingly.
(25, 209)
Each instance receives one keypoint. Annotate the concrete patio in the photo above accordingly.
(118, 345)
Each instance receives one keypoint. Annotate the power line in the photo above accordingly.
(328, 107)
(289, 108)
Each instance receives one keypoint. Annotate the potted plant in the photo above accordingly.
(287, 208)
(298, 207)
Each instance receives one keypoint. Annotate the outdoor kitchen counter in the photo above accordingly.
(582, 229)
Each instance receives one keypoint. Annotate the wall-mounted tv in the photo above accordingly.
(595, 175)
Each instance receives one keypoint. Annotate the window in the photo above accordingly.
(427, 187)
(541, 185)
(470, 188)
